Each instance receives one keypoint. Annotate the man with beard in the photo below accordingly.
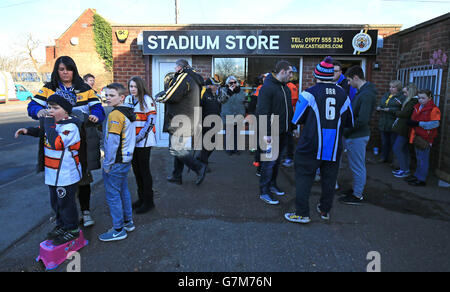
(275, 100)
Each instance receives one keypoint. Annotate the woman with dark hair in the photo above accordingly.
(66, 79)
(145, 110)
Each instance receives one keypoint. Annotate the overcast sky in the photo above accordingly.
(48, 19)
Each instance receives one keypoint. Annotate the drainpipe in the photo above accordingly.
(441, 174)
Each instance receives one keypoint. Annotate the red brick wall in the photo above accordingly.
(388, 61)
(84, 54)
(128, 58)
(415, 47)
(202, 65)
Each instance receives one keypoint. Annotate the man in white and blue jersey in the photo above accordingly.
(324, 110)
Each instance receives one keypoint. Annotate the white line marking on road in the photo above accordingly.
(16, 180)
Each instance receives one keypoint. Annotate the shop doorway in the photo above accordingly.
(347, 63)
(162, 68)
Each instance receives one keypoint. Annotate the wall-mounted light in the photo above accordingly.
(140, 39)
(376, 65)
(74, 41)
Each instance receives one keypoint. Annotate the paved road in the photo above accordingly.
(222, 225)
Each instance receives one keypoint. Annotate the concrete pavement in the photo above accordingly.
(223, 226)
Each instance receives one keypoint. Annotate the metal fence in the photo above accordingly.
(425, 77)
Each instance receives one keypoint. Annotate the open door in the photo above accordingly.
(162, 67)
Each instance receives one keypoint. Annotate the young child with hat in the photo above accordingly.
(60, 143)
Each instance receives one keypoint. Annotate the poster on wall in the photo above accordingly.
(260, 42)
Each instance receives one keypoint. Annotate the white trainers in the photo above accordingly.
(87, 219)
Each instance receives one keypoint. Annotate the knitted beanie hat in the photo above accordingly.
(65, 100)
(325, 70)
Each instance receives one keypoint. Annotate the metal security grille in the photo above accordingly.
(425, 77)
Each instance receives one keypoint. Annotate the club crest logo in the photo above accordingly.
(61, 192)
(362, 42)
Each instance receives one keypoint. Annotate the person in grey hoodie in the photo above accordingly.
(356, 138)
(232, 98)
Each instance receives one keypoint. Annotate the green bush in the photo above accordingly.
(103, 40)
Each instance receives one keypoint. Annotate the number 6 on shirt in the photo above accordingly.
(330, 109)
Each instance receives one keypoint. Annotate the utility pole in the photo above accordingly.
(177, 11)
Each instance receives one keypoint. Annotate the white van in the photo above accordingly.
(7, 87)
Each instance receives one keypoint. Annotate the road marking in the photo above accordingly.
(11, 144)
(17, 179)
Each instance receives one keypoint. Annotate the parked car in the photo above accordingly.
(22, 93)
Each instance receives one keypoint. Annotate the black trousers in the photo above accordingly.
(62, 200)
(305, 171)
(205, 154)
(84, 197)
(142, 173)
(182, 156)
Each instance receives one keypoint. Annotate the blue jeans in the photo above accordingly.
(118, 196)
(269, 169)
(401, 152)
(356, 154)
(423, 160)
(387, 141)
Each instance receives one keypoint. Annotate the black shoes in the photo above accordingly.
(57, 231)
(413, 181)
(351, 200)
(141, 206)
(175, 180)
(66, 237)
(417, 183)
(201, 174)
(145, 207)
(410, 178)
(137, 204)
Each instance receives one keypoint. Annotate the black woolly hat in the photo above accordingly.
(65, 100)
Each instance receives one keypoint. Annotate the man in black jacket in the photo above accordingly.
(181, 99)
(274, 100)
(210, 106)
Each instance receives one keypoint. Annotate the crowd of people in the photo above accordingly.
(323, 120)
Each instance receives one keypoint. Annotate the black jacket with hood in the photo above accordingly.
(275, 99)
(181, 98)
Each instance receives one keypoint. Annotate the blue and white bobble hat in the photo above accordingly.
(325, 70)
(67, 100)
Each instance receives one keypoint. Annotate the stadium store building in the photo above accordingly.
(245, 51)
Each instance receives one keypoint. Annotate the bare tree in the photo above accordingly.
(31, 45)
(12, 63)
(230, 66)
